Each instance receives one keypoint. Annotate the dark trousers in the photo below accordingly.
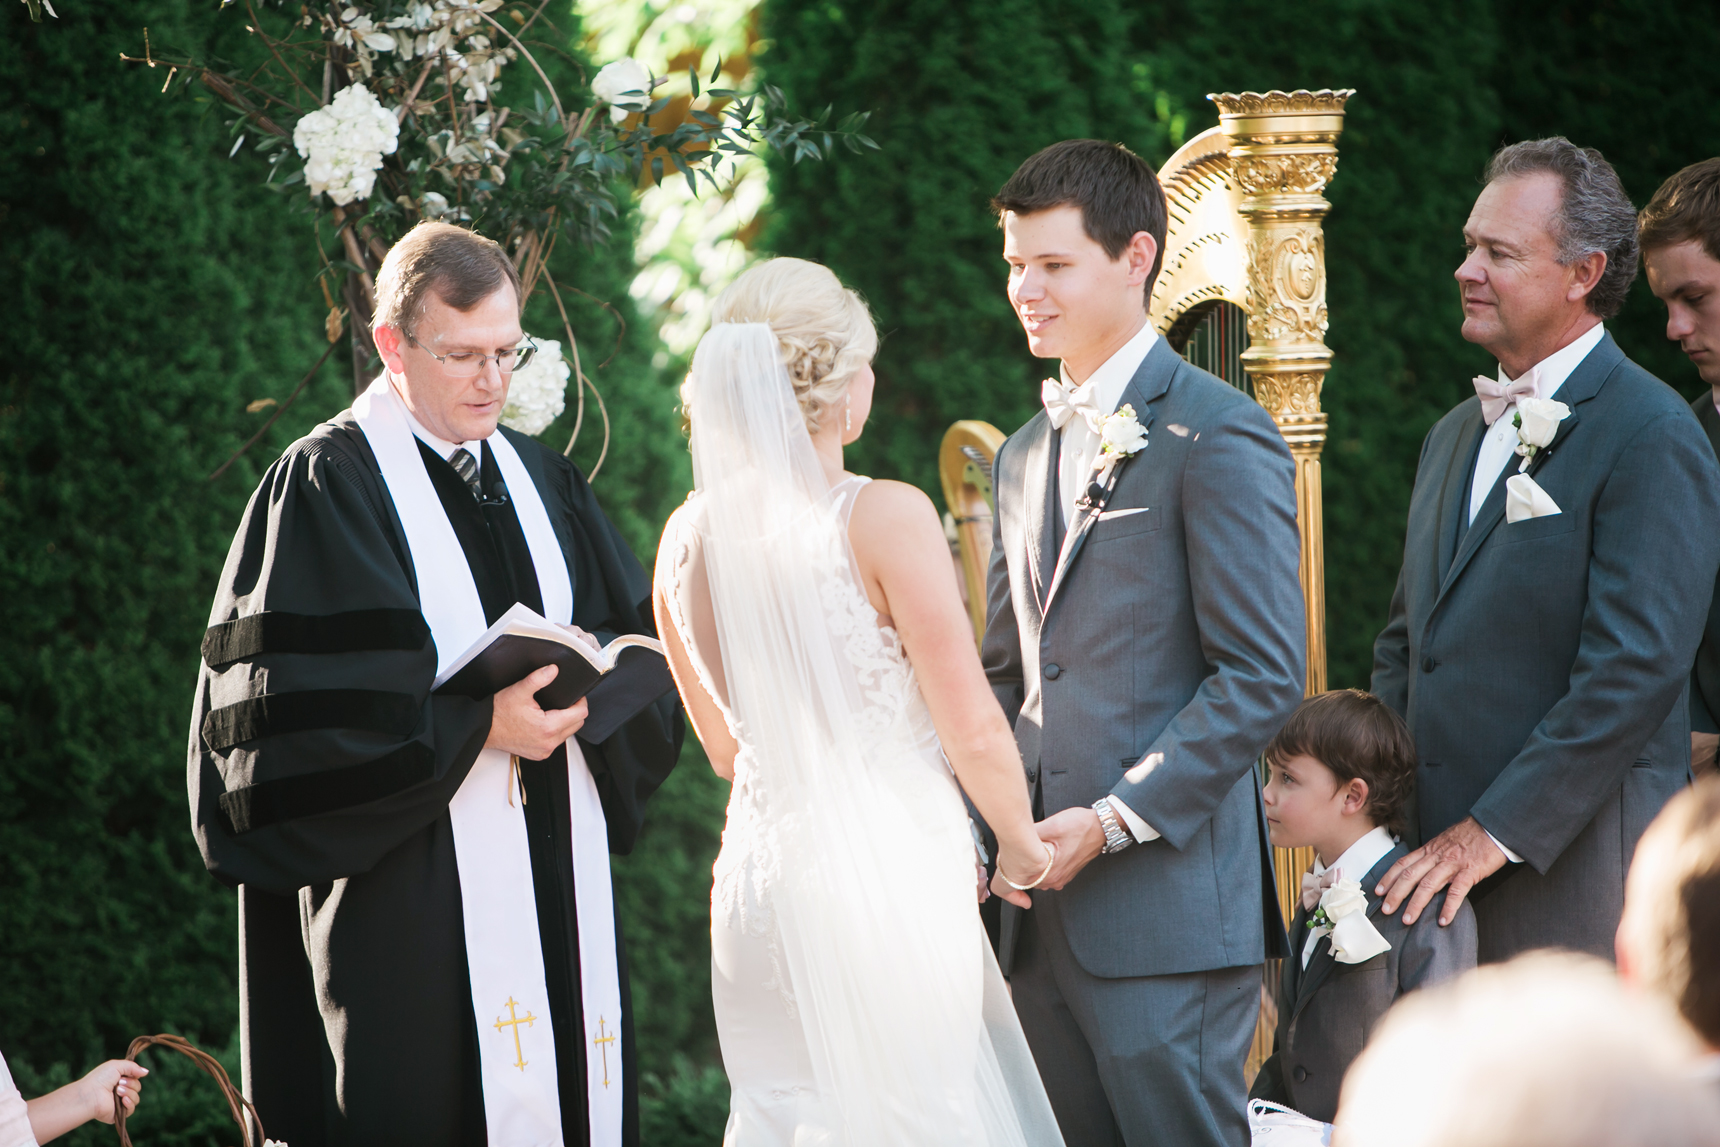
(1145, 1061)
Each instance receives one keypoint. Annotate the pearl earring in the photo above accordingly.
(847, 414)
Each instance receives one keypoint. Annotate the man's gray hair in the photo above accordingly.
(1595, 214)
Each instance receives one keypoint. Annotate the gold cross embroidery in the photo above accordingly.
(603, 1042)
(514, 1020)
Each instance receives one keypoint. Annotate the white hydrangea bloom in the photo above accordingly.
(343, 144)
(538, 392)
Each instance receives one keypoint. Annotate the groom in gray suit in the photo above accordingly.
(1554, 587)
(1145, 632)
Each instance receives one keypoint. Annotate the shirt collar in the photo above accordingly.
(1551, 372)
(1106, 384)
(444, 448)
(1359, 859)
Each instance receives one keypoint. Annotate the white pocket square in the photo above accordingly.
(1524, 499)
(1107, 515)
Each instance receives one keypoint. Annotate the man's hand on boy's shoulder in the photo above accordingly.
(1462, 856)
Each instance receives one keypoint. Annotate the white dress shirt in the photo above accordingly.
(1358, 860)
(1104, 390)
(1500, 444)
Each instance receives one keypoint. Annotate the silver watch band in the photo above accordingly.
(1117, 837)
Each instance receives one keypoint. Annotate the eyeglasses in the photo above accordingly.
(470, 364)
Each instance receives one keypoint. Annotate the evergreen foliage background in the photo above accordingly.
(155, 288)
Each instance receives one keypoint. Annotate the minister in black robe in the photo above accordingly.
(321, 770)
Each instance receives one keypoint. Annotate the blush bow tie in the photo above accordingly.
(1063, 402)
(1496, 396)
(1313, 886)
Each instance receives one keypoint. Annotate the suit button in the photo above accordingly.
(1428, 664)
(1300, 1074)
(1053, 671)
(1032, 774)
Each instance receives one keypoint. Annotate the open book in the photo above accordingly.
(618, 681)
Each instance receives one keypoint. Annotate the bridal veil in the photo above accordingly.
(850, 817)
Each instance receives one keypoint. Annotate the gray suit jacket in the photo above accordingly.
(1174, 641)
(1705, 678)
(1327, 1011)
(1542, 665)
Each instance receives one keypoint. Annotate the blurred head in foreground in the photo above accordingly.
(1669, 939)
(1548, 1050)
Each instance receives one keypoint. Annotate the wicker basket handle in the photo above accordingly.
(237, 1104)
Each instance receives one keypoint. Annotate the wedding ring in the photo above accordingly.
(1050, 849)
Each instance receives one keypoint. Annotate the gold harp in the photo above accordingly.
(1242, 294)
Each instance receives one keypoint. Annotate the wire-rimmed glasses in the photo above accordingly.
(470, 364)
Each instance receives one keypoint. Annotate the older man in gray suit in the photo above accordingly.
(1553, 589)
(1145, 631)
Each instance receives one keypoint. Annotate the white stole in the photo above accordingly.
(516, 1044)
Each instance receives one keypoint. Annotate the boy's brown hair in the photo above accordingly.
(1686, 208)
(1354, 734)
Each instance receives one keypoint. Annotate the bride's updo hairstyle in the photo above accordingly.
(823, 329)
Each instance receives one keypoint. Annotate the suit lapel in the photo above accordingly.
(1584, 383)
(1454, 501)
(1322, 963)
(1152, 379)
(1038, 488)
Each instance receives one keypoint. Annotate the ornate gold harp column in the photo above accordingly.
(1283, 152)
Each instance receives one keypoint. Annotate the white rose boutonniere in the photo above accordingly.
(625, 86)
(1537, 421)
(1121, 436)
(1343, 914)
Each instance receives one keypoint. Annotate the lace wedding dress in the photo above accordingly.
(857, 1000)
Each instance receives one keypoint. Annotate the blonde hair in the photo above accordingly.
(824, 330)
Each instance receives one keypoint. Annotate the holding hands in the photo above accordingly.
(1023, 867)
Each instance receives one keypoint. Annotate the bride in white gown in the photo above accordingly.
(817, 636)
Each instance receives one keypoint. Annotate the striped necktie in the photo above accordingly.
(463, 465)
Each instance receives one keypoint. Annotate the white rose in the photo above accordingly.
(625, 85)
(1343, 898)
(537, 393)
(1540, 418)
(1120, 433)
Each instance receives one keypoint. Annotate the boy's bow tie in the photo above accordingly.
(1313, 885)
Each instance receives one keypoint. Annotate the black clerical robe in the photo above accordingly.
(321, 769)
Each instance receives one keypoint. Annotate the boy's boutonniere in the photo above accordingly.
(1537, 421)
(1343, 915)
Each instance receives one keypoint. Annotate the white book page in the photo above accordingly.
(524, 621)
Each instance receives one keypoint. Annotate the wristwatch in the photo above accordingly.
(1117, 837)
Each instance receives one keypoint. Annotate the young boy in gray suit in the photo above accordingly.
(1341, 770)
